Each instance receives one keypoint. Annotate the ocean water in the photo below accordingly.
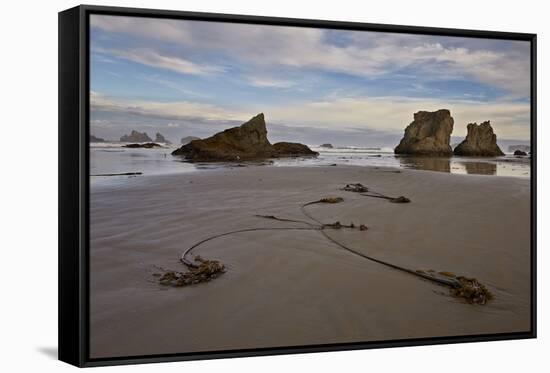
(113, 158)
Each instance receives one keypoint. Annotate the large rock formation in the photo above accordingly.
(428, 134)
(188, 139)
(480, 142)
(160, 138)
(96, 139)
(246, 142)
(136, 136)
(327, 145)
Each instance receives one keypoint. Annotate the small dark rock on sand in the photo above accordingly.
(520, 152)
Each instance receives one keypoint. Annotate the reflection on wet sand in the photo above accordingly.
(426, 163)
(480, 168)
(451, 165)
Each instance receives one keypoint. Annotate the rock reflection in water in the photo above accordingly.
(452, 165)
(441, 164)
(480, 168)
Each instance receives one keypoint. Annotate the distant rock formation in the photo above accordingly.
(519, 152)
(246, 142)
(96, 139)
(188, 139)
(523, 148)
(160, 138)
(136, 136)
(328, 146)
(480, 142)
(428, 134)
(147, 145)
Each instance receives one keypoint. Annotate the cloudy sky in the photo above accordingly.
(187, 78)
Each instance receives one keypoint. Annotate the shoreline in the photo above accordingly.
(159, 162)
(219, 167)
(285, 288)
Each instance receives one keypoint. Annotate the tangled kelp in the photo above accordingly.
(356, 188)
(364, 191)
(203, 271)
(471, 290)
(326, 200)
(468, 289)
(400, 199)
(461, 287)
(338, 225)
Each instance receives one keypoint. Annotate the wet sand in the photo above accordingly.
(292, 288)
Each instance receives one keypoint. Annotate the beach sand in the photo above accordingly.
(295, 288)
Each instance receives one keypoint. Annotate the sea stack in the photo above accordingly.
(136, 136)
(428, 134)
(245, 142)
(160, 138)
(96, 139)
(480, 141)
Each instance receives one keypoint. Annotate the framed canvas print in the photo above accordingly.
(236, 185)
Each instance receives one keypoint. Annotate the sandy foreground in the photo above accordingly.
(293, 288)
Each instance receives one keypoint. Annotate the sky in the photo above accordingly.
(193, 78)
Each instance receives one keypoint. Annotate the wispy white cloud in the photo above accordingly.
(389, 114)
(393, 114)
(150, 28)
(264, 82)
(152, 58)
(165, 110)
(180, 88)
(366, 54)
(100, 123)
(279, 58)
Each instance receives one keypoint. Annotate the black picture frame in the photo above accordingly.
(74, 183)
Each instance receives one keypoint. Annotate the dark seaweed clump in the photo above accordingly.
(204, 271)
(471, 291)
(356, 188)
(400, 199)
(331, 200)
